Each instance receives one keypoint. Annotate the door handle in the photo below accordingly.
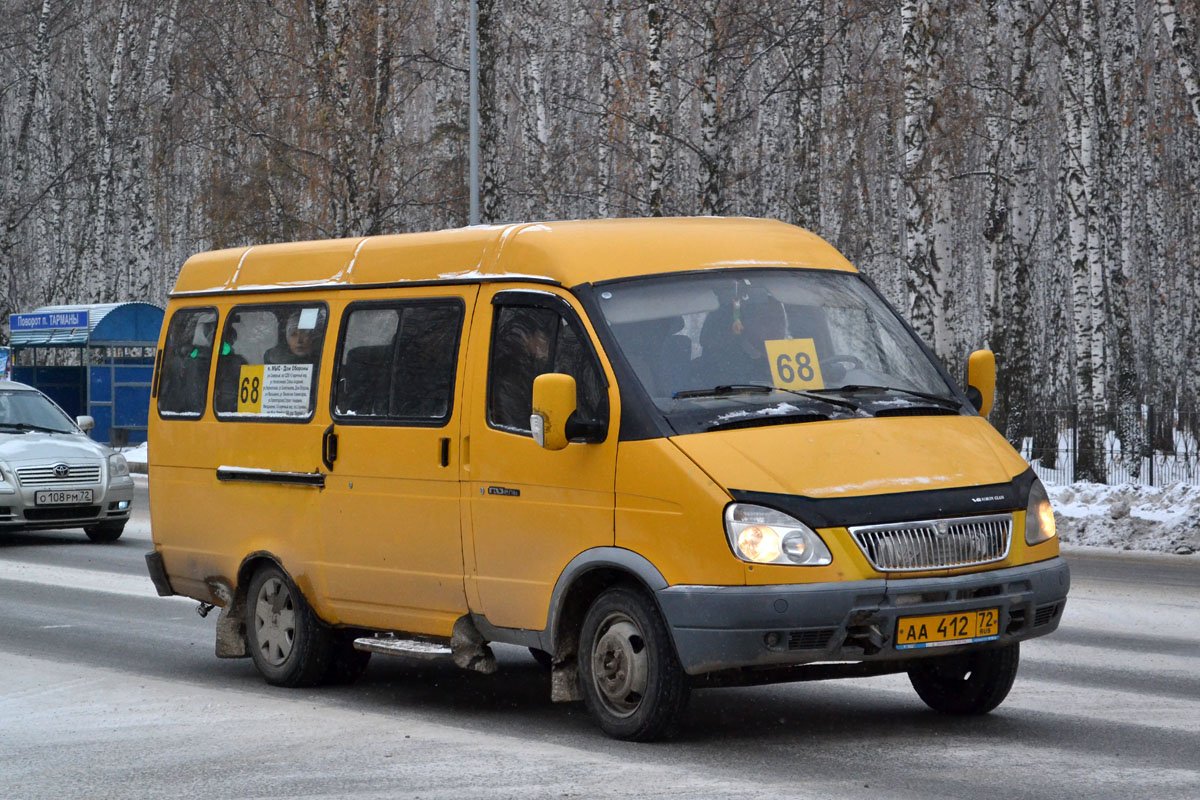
(445, 451)
(329, 444)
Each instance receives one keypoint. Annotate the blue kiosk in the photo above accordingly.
(111, 382)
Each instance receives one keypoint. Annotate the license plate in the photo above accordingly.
(941, 630)
(63, 497)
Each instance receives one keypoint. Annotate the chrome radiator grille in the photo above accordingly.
(51, 475)
(936, 543)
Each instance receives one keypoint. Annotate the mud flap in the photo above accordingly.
(469, 649)
(564, 682)
(231, 623)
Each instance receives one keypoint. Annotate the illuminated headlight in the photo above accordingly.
(118, 467)
(766, 536)
(1039, 516)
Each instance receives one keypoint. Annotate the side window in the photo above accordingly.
(528, 341)
(269, 362)
(397, 362)
(187, 354)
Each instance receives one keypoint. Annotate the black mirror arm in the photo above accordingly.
(976, 397)
(578, 430)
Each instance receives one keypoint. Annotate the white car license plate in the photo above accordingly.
(62, 497)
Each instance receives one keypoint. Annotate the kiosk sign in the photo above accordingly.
(48, 320)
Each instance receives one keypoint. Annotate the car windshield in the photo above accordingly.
(24, 410)
(737, 348)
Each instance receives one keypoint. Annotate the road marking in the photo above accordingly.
(82, 579)
(55, 627)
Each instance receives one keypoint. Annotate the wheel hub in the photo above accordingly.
(274, 622)
(620, 664)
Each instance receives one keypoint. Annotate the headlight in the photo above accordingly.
(1039, 516)
(766, 536)
(118, 467)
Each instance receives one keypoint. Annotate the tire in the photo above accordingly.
(346, 665)
(632, 682)
(967, 683)
(289, 645)
(105, 532)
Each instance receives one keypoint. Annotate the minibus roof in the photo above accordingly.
(565, 253)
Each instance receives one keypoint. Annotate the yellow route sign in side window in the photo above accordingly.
(250, 386)
(794, 364)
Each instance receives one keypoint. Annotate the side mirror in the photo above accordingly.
(981, 380)
(85, 423)
(553, 405)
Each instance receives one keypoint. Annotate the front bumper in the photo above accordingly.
(20, 511)
(728, 627)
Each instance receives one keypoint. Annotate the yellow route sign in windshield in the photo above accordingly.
(794, 364)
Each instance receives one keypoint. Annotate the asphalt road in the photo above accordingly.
(107, 690)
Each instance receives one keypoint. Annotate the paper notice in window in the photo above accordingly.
(308, 319)
(287, 389)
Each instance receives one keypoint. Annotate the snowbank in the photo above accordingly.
(1128, 517)
(134, 455)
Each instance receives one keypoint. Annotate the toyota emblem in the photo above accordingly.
(61, 470)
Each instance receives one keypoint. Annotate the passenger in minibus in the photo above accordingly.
(298, 346)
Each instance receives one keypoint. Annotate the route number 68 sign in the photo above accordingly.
(794, 364)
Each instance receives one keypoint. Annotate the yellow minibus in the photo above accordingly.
(662, 454)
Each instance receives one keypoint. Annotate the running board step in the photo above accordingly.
(412, 648)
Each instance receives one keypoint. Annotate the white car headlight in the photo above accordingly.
(1039, 516)
(765, 536)
(118, 467)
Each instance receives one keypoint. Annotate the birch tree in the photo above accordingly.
(16, 203)
(923, 203)
(1019, 166)
(656, 123)
(1181, 44)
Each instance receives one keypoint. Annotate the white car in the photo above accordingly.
(52, 475)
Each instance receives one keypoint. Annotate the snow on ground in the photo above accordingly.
(1165, 519)
(134, 455)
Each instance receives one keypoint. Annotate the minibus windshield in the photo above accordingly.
(740, 348)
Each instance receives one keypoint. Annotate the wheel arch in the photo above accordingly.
(231, 624)
(583, 580)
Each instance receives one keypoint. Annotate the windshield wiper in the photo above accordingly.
(25, 426)
(724, 389)
(811, 394)
(945, 402)
(758, 388)
(763, 420)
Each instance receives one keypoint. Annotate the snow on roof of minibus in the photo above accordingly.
(567, 253)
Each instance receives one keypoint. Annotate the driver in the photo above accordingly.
(734, 336)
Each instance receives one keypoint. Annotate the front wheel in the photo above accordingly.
(289, 645)
(631, 678)
(967, 683)
(105, 532)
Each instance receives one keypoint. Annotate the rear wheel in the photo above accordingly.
(289, 645)
(967, 683)
(631, 678)
(105, 532)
